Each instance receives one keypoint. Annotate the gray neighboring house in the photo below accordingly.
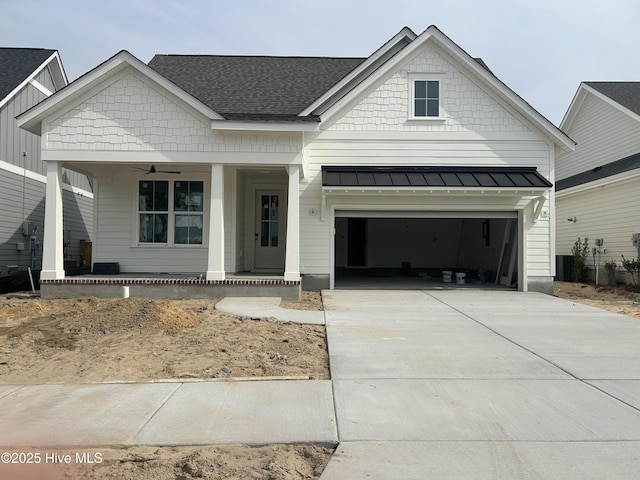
(28, 76)
(598, 184)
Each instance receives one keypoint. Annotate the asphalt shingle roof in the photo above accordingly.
(254, 87)
(16, 64)
(626, 94)
(619, 166)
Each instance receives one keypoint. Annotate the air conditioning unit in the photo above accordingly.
(635, 239)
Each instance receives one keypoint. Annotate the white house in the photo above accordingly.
(414, 159)
(598, 184)
(28, 76)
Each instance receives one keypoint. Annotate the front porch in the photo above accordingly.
(173, 286)
(242, 237)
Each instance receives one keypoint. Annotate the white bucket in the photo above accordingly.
(447, 277)
(460, 278)
(125, 291)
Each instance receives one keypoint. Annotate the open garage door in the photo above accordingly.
(398, 249)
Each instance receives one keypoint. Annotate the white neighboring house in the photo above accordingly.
(28, 76)
(416, 158)
(598, 184)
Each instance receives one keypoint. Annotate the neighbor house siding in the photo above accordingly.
(609, 212)
(22, 199)
(603, 133)
(16, 142)
(13, 140)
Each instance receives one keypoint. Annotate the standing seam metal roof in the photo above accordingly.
(434, 176)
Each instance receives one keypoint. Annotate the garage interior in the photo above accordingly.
(413, 250)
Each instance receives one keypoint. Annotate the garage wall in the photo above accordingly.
(390, 149)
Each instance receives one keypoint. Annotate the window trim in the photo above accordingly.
(425, 77)
(171, 213)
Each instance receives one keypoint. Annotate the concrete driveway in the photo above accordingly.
(471, 384)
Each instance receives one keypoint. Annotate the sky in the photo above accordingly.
(542, 49)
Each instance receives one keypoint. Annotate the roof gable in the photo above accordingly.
(31, 120)
(475, 68)
(19, 65)
(624, 96)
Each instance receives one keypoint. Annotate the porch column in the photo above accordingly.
(215, 263)
(52, 256)
(292, 249)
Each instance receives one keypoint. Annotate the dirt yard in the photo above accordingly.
(616, 298)
(95, 340)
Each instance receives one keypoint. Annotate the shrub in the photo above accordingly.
(580, 253)
(633, 269)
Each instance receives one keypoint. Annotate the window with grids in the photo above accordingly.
(170, 212)
(187, 205)
(153, 211)
(426, 98)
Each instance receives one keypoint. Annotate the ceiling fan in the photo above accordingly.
(153, 170)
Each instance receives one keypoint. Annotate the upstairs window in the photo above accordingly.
(426, 98)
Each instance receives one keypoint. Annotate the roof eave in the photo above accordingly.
(264, 126)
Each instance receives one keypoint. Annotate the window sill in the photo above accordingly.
(427, 119)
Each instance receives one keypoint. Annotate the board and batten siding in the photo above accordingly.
(603, 135)
(15, 141)
(610, 212)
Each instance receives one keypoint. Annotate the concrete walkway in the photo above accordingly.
(268, 308)
(426, 384)
(198, 413)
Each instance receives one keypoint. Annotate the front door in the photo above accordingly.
(269, 230)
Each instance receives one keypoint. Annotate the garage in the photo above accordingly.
(406, 226)
(412, 248)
